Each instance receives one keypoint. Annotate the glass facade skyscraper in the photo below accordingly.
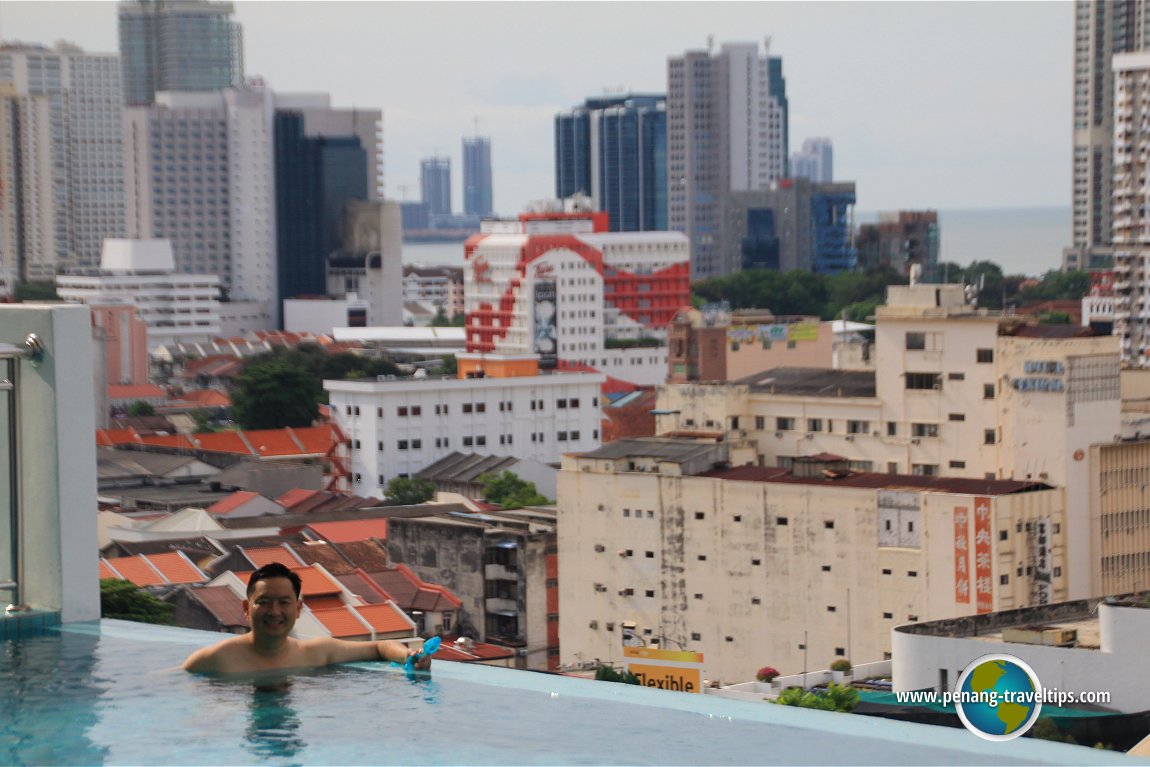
(614, 150)
(178, 45)
(477, 197)
(435, 185)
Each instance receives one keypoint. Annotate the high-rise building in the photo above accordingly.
(61, 157)
(899, 240)
(322, 160)
(726, 132)
(477, 198)
(814, 161)
(1101, 31)
(178, 45)
(614, 150)
(200, 171)
(435, 185)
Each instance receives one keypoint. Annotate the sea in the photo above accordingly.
(1025, 241)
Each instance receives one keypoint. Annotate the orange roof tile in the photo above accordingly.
(207, 398)
(112, 437)
(294, 497)
(323, 602)
(273, 442)
(350, 531)
(222, 442)
(232, 502)
(384, 618)
(107, 572)
(315, 582)
(265, 555)
(136, 391)
(176, 567)
(341, 622)
(167, 440)
(137, 570)
(315, 439)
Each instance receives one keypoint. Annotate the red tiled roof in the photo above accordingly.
(222, 603)
(294, 497)
(232, 502)
(207, 398)
(176, 567)
(324, 554)
(384, 618)
(136, 391)
(222, 442)
(113, 437)
(315, 582)
(341, 622)
(137, 570)
(323, 602)
(365, 555)
(363, 587)
(273, 442)
(107, 572)
(265, 555)
(350, 530)
(315, 439)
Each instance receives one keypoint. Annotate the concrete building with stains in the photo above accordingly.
(687, 544)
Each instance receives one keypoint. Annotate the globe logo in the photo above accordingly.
(998, 697)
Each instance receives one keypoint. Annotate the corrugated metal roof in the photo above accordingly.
(674, 450)
(958, 485)
(812, 382)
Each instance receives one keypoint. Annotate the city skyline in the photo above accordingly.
(977, 117)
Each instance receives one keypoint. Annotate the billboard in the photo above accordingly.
(546, 325)
(678, 670)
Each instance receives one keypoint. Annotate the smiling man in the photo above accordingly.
(272, 607)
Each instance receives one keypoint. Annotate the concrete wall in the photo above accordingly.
(57, 459)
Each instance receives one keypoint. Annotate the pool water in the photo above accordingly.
(112, 693)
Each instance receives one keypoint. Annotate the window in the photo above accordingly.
(760, 422)
(956, 417)
(574, 402)
(561, 436)
(1003, 535)
(480, 407)
(988, 391)
(1003, 580)
(983, 356)
(702, 557)
(957, 464)
(831, 609)
(699, 515)
(481, 440)
(891, 428)
(698, 596)
(379, 412)
(886, 571)
(814, 424)
(781, 521)
(756, 601)
(826, 568)
(924, 469)
(784, 424)
(649, 593)
(858, 427)
(467, 441)
(1058, 572)
(416, 410)
(401, 411)
(912, 573)
(756, 562)
(649, 554)
(829, 524)
(989, 436)
(695, 637)
(416, 444)
(923, 381)
(924, 429)
(738, 517)
(956, 376)
(467, 407)
(915, 341)
(574, 435)
(561, 404)
(888, 616)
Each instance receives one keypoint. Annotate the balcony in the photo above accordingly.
(501, 572)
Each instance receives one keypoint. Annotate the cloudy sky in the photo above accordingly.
(929, 104)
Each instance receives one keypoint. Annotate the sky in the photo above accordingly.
(943, 105)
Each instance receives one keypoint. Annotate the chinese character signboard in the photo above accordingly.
(962, 554)
(983, 572)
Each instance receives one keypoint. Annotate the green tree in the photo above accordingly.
(140, 409)
(836, 697)
(608, 674)
(510, 491)
(409, 491)
(35, 291)
(448, 365)
(127, 602)
(203, 421)
(272, 394)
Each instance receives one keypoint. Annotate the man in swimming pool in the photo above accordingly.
(272, 607)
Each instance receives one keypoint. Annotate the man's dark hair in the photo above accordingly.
(274, 570)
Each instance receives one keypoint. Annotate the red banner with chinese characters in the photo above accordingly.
(983, 574)
(962, 554)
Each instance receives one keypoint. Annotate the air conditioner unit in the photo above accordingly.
(915, 441)
(600, 587)
(593, 624)
(521, 652)
(610, 626)
(600, 548)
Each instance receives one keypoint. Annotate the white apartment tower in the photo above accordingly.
(1102, 30)
(726, 132)
(61, 156)
(200, 172)
(1130, 214)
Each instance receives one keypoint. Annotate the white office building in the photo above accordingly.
(177, 308)
(61, 158)
(399, 426)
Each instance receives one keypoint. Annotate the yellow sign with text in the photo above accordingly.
(678, 670)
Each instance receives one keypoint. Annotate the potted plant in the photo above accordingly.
(767, 674)
(840, 670)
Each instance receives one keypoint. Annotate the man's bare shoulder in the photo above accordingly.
(220, 657)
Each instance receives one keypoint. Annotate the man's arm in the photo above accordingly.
(203, 661)
(342, 651)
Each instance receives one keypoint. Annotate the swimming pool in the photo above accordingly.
(111, 693)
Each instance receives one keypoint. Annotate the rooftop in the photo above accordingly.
(671, 450)
(878, 481)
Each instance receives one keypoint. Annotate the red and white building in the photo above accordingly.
(561, 286)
